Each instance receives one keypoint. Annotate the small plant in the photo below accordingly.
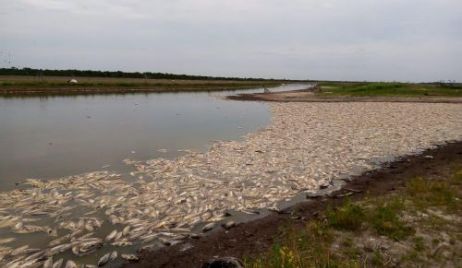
(431, 193)
(348, 217)
(377, 259)
(386, 220)
(419, 244)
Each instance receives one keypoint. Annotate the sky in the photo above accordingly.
(374, 40)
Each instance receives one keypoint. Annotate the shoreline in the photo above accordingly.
(51, 88)
(180, 197)
(255, 237)
(309, 95)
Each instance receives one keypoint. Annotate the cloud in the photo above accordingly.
(123, 9)
(330, 39)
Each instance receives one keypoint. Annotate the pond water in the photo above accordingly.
(52, 137)
(49, 137)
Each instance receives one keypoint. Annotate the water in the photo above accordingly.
(49, 137)
(61, 136)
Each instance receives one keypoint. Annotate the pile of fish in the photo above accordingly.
(306, 147)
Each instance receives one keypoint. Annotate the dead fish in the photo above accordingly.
(60, 248)
(228, 225)
(118, 236)
(58, 263)
(129, 257)
(208, 227)
(31, 264)
(36, 256)
(126, 230)
(6, 240)
(75, 250)
(58, 241)
(70, 264)
(103, 260)
(195, 236)
(89, 227)
(48, 263)
(19, 251)
(113, 256)
(122, 243)
(87, 248)
(111, 235)
(148, 238)
(18, 226)
(166, 242)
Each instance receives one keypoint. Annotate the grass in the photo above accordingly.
(386, 220)
(20, 85)
(435, 192)
(399, 220)
(348, 217)
(389, 89)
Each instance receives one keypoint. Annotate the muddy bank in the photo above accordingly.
(309, 95)
(252, 238)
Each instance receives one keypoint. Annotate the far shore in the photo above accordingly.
(31, 86)
(363, 92)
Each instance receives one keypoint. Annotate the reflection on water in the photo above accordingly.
(59, 136)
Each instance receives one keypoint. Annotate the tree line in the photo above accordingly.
(117, 74)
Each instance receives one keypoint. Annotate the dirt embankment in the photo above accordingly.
(253, 238)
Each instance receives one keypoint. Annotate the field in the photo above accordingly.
(58, 85)
(328, 91)
(389, 89)
(418, 225)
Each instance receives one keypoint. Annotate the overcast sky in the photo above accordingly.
(405, 40)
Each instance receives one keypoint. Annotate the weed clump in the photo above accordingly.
(348, 217)
(386, 220)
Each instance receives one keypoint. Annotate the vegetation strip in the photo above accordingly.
(389, 89)
(366, 92)
(31, 86)
(418, 225)
(32, 72)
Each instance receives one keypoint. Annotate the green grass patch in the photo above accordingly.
(347, 217)
(386, 220)
(425, 193)
(390, 89)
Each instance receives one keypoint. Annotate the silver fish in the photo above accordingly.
(19, 251)
(70, 264)
(58, 263)
(129, 257)
(48, 263)
(103, 260)
(208, 227)
(111, 235)
(113, 256)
